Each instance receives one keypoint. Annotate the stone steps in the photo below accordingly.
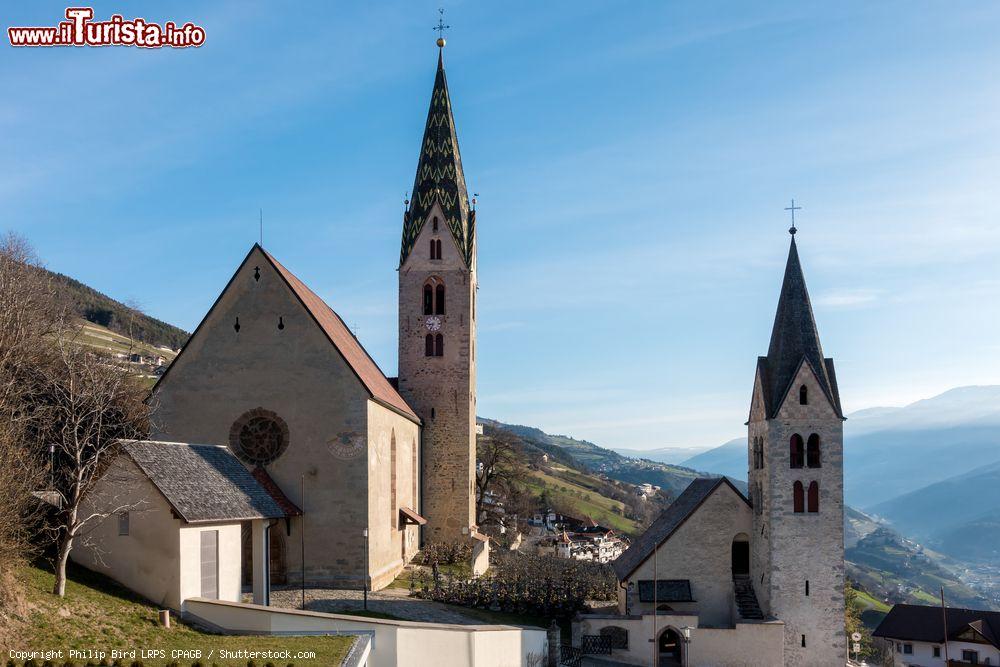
(746, 599)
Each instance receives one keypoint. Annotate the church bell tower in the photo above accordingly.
(437, 322)
(796, 478)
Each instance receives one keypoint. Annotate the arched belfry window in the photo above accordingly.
(795, 452)
(429, 345)
(798, 498)
(434, 224)
(428, 300)
(433, 249)
(803, 395)
(812, 451)
(813, 496)
(437, 245)
(439, 299)
(439, 346)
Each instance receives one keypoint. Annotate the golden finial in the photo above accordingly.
(441, 27)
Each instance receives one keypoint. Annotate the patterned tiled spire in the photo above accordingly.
(439, 177)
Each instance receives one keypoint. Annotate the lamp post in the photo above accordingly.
(686, 632)
(365, 582)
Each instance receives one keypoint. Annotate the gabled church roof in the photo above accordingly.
(668, 522)
(439, 177)
(349, 348)
(794, 341)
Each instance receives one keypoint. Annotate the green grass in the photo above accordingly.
(99, 614)
(871, 603)
(456, 570)
(583, 499)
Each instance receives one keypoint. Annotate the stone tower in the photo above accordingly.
(797, 482)
(437, 323)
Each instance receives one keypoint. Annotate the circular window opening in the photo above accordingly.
(259, 436)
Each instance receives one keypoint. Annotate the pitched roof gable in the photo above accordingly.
(351, 351)
(349, 347)
(668, 522)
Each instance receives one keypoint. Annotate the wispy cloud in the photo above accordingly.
(848, 298)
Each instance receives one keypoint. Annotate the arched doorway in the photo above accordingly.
(671, 648)
(741, 556)
(279, 573)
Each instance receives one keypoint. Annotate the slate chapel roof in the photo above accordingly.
(669, 521)
(203, 482)
(440, 177)
(794, 341)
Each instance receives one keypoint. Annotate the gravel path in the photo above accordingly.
(394, 601)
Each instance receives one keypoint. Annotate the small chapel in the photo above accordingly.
(727, 578)
(277, 434)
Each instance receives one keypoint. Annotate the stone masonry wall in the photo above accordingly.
(441, 389)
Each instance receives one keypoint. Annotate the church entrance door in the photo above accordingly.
(670, 649)
(741, 558)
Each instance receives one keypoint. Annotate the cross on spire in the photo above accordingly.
(793, 208)
(441, 27)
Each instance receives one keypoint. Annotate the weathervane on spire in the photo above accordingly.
(793, 208)
(441, 27)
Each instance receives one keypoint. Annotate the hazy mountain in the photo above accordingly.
(889, 452)
(671, 455)
(729, 459)
(959, 516)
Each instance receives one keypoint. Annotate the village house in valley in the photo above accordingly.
(929, 636)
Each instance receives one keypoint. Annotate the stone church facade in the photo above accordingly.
(273, 373)
(723, 578)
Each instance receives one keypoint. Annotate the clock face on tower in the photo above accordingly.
(433, 323)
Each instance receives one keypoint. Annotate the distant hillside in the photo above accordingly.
(671, 455)
(729, 459)
(959, 516)
(91, 305)
(595, 459)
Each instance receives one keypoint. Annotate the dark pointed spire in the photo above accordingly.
(795, 339)
(439, 175)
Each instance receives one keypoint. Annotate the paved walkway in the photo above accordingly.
(394, 601)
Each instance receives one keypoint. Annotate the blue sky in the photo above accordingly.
(632, 160)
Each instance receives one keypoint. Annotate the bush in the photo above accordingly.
(445, 553)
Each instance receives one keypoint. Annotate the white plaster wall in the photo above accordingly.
(145, 560)
(923, 654)
(230, 552)
(701, 550)
(396, 643)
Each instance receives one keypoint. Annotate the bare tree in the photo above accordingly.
(29, 317)
(498, 455)
(85, 406)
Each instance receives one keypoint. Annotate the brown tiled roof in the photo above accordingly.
(273, 490)
(350, 349)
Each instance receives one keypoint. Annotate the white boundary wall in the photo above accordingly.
(403, 643)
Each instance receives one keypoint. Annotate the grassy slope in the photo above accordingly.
(99, 614)
(575, 489)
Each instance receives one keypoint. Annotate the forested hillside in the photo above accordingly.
(93, 306)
